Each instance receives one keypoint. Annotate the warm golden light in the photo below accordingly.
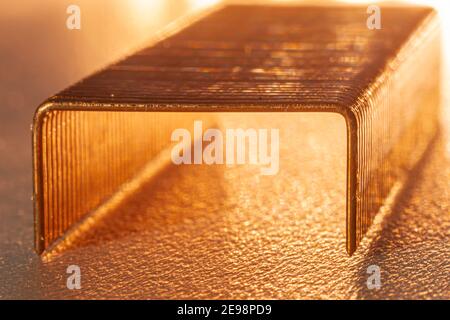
(199, 4)
(141, 227)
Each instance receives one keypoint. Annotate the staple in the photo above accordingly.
(321, 59)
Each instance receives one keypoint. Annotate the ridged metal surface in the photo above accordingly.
(206, 232)
(88, 155)
(290, 59)
(260, 55)
(396, 118)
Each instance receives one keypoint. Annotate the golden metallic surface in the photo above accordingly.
(300, 59)
(289, 253)
(88, 155)
(215, 232)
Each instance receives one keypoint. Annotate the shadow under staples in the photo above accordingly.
(410, 244)
(141, 211)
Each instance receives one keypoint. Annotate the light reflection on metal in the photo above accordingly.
(298, 59)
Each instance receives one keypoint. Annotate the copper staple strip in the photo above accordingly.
(247, 58)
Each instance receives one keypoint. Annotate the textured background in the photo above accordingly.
(217, 237)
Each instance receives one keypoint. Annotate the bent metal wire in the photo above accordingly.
(96, 135)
